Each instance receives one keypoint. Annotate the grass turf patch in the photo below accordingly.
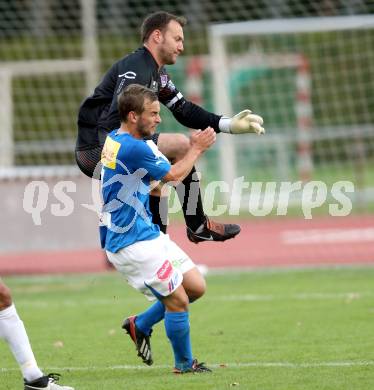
(284, 330)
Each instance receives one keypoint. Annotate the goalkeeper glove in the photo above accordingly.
(244, 122)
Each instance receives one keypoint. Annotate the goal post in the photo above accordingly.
(88, 65)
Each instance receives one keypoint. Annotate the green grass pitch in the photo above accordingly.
(291, 329)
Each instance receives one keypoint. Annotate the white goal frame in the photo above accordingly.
(219, 60)
(87, 64)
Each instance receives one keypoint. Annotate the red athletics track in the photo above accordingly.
(262, 243)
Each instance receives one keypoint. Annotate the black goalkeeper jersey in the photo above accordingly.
(98, 114)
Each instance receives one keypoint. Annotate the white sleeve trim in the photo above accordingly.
(156, 151)
(174, 100)
(224, 124)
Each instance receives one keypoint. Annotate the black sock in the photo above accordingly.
(190, 199)
(159, 209)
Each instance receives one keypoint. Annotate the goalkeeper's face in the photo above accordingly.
(171, 44)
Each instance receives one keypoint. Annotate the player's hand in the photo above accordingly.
(202, 140)
(246, 122)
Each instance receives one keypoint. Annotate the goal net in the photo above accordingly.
(307, 67)
(312, 80)
(309, 75)
(49, 62)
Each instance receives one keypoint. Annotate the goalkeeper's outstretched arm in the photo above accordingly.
(194, 116)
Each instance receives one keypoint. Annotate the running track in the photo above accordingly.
(262, 243)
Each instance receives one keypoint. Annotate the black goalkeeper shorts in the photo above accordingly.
(88, 159)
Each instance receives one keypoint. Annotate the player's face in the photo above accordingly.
(172, 43)
(149, 118)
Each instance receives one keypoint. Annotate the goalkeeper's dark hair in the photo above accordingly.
(159, 21)
(132, 99)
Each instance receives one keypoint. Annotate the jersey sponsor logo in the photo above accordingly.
(164, 80)
(165, 271)
(128, 75)
(109, 153)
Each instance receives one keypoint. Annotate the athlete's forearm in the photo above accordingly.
(183, 167)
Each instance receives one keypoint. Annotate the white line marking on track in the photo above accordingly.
(317, 236)
(215, 365)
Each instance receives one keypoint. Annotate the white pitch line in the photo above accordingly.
(214, 365)
(349, 296)
(68, 280)
(301, 296)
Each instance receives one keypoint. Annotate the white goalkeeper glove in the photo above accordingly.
(244, 122)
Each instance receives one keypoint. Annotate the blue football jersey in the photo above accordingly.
(129, 164)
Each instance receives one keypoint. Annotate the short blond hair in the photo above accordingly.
(132, 98)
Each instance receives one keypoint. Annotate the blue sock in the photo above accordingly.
(150, 317)
(177, 327)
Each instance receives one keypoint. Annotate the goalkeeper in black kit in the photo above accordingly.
(162, 37)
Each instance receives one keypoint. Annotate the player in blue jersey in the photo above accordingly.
(163, 42)
(149, 260)
(14, 333)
